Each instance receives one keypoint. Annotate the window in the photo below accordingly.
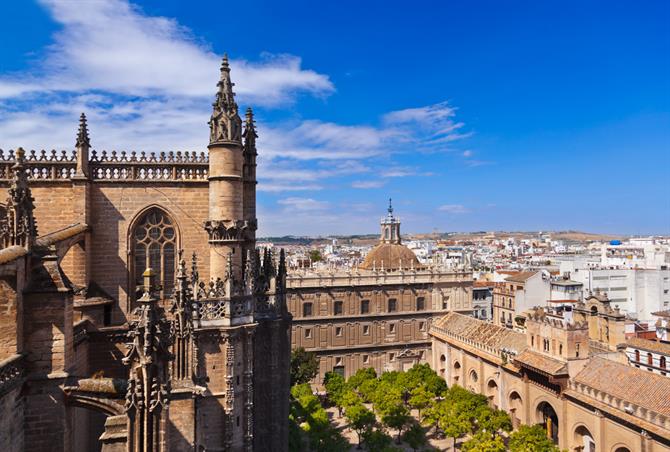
(650, 359)
(532, 341)
(661, 362)
(420, 304)
(366, 359)
(422, 326)
(577, 350)
(308, 333)
(391, 327)
(391, 356)
(338, 308)
(338, 331)
(392, 305)
(366, 330)
(365, 306)
(338, 361)
(307, 310)
(560, 349)
(637, 356)
(154, 240)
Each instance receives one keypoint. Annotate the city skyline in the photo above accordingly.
(471, 118)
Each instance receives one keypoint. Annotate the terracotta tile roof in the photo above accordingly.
(481, 332)
(542, 363)
(520, 277)
(633, 385)
(665, 313)
(483, 283)
(646, 344)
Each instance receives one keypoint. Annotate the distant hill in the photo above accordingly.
(371, 239)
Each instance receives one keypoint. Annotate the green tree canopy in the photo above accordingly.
(484, 442)
(396, 417)
(376, 440)
(304, 366)
(360, 419)
(415, 437)
(315, 255)
(531, 439)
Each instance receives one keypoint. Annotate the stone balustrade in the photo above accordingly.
(111, 166)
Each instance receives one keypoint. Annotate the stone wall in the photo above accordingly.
(11, 427)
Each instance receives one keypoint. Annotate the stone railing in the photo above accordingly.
(111, 166)
(352, 277)
(186, 166)
(12, 371)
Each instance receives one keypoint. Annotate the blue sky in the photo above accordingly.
(471, 115)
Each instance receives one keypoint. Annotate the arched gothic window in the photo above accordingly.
(154, 241)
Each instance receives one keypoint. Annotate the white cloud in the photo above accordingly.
(303, 204)
(467, 154)
(433, 124)
(453, 208)
(114, 47)
(365, 184)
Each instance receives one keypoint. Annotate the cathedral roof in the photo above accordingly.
(390, 256)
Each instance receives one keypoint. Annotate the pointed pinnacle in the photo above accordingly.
(82, 135)
(224, 63)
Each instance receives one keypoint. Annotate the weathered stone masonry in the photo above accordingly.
(109, 339)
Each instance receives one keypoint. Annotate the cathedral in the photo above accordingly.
(136, 312)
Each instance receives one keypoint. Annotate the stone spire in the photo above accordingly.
(225, 123)
(18, 226)
(250, 133)
(82, 135)
(82, 145)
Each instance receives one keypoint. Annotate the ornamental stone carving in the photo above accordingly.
(229, 230)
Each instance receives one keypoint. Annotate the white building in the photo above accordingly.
(638, 292)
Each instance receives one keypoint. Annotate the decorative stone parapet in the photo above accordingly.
(112, 166)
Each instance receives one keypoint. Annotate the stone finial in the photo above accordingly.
(250, 133)
(18, 226)
(82, 135)
(225, 123)
(83, 145)
(149, 278)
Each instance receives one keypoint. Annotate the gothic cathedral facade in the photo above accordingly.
(141, 317)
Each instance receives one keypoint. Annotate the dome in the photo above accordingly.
(390, 256)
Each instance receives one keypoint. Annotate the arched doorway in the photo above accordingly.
(492, 393)
(622, 449)
(584, 440)
(547, 417)
(515, 408)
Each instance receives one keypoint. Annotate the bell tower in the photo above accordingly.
(390, 227)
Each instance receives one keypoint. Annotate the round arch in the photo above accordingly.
(153, 238)
(515, 406)
(620, 448)
(492, 392)
(583, 439)
(545, 415)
